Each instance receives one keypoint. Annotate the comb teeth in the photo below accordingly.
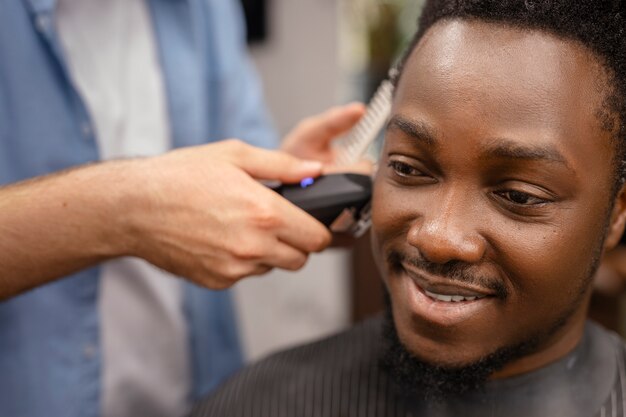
(351, 147)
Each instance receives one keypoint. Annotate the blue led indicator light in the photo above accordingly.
(306, 182)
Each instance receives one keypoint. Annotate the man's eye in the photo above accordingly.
(521, 198)
(403, 169)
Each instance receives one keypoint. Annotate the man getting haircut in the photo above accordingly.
(500, 187)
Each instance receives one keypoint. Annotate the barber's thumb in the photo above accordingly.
(277, 165)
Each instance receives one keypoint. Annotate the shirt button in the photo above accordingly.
(43, 23)
(89, 351)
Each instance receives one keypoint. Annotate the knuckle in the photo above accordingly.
(265, 216)
(248, 251)
(229, 271)
(237, 271)
(319, 241)
(223, 272)
(234, 146)
(297, 263)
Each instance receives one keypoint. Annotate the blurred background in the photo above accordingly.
(311, 55)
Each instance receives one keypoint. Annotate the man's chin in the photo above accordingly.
(434, 380)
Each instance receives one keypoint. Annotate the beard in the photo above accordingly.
(432, 382)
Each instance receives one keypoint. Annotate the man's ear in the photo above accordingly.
(618, 220)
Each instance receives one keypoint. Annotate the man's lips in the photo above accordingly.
(444, 289)
(436, 300)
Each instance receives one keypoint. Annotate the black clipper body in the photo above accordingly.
(339, 201)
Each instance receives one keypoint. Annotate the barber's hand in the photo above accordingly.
(203, 215)
(312, 138)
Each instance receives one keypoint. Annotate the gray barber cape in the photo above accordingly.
(341, 377)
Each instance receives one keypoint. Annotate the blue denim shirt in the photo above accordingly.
(49, 348)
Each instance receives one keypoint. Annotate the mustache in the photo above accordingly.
(452, 270)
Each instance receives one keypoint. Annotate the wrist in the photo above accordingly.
(110, 193)
(133, 205)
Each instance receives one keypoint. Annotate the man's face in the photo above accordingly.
(494, 188)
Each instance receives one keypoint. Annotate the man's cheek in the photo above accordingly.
(543, 272)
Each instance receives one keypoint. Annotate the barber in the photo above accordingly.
(98, 221)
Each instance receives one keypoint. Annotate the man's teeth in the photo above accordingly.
(451, 298)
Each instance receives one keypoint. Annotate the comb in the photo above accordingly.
(353, 146)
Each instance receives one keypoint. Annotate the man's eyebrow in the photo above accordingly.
(416, 130)
(509, 149)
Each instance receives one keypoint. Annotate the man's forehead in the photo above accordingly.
(490, 57)
(501, 75)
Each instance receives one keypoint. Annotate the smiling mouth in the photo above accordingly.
(443, 301)
(446, 290)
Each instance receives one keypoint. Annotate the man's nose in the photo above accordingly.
(447, 231)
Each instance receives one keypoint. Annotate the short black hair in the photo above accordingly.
(598, 25)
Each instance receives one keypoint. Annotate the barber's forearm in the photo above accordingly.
(56, 225)
(198, 212)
